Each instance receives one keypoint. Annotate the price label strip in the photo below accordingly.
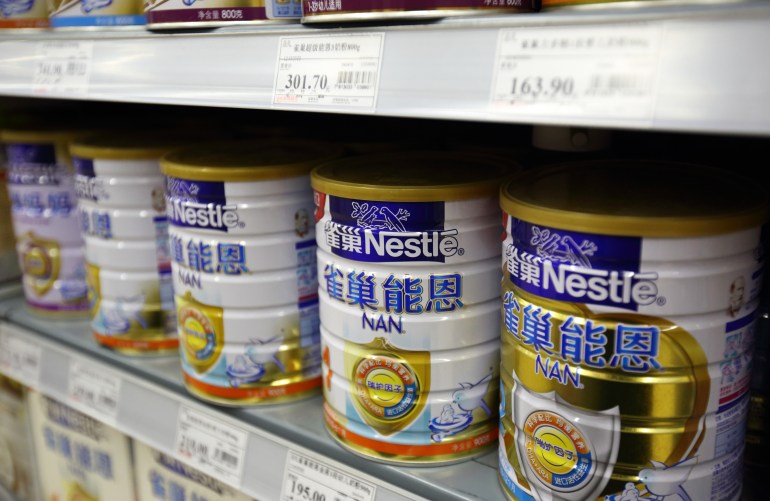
(63, 67)
(210, 445)
(20, 359)
(337, 71)
(94, 391)
(577, 73)
(307, 479)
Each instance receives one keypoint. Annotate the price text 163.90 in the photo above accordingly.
(535, 87)
(306, 82)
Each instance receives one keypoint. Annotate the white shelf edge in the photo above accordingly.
(710, 74)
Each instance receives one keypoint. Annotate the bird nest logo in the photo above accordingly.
(557, 452)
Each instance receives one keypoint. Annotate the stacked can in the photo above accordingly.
(9, 264)
(173, 14)
(408, 270)
(757, 456)
(96, 13)
(121, 200)
(41, 184)
(628, 309)
(319, 11)
(23, 14)
(244, 269)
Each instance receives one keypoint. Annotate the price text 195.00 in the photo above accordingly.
(306, 82)
(305, 492)
(539, 87)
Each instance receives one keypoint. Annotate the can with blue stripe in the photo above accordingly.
(628, 306)
(123, 222)
(96, 14)
(409, 274)
(244, 268)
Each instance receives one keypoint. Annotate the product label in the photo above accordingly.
(386, 231)
(220, 11)
(578, 267)
(79, 457)
(200, 204)
(321, 7)
(590, 323)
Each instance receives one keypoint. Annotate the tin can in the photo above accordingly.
(244, 268)
(44, 213)
(317, 11)
(408, 271)
(121, 202)
(628, 313)
(174, 14)
(9, 261)
(24, 14)
(96, 14)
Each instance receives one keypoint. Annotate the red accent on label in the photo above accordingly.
(320, 204)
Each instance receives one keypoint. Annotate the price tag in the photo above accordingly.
(577, 73)
(307, 479)
(94, 391)
(20, 359)
(340, 71)
(63, 67)
(210, 445)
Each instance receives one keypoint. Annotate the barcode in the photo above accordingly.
(108, 401)
(75, 68)
(227, 458)
(620, 84)
(355, 77)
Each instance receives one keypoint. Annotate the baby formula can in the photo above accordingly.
(41, 186)
(24, 14)
(122, 205)
(318, 11)
(174, 14)
(629, 302)
(244, 268)
(96, 14)
(9, 262)
(407, 244)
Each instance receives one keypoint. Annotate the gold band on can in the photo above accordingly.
(123, 222)
(408, 259)
(629, 300)
(243, 266)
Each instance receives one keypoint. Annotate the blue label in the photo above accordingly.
(84, 166)
(374, 231)
(32, 164)
(200, 204)
(579, 267)
(125, 20)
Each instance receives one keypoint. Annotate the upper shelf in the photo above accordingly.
(662, 65)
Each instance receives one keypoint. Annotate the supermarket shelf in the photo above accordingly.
(151, 395)
(706, 73)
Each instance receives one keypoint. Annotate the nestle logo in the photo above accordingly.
(200, 215)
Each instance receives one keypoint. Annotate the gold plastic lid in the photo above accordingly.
(412, 176)
(248, 160)
(636, 198)
(120, 145)
(42, 135)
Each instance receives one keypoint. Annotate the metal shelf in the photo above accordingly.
(706, 69)
(152, 393)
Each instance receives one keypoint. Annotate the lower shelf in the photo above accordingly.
(151, 394)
